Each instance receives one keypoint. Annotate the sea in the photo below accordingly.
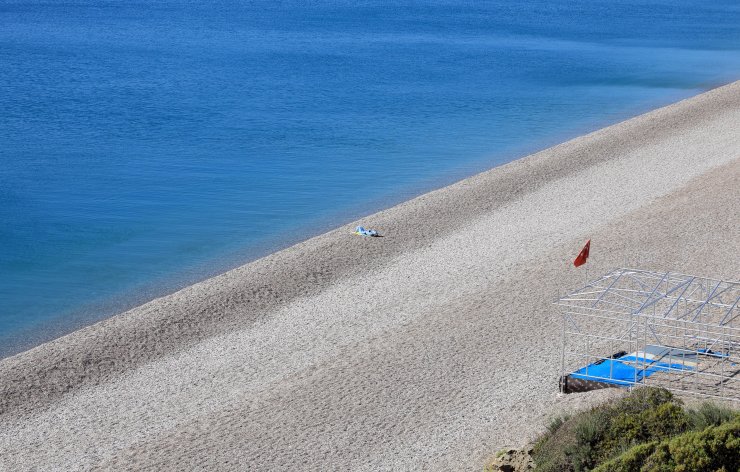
(146, 145)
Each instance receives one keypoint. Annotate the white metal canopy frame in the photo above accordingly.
(634, 327)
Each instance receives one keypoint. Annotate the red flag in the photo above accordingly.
(581, 259)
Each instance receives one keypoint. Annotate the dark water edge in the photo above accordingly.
(96, 311)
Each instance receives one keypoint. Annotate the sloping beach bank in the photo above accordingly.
(428, 348)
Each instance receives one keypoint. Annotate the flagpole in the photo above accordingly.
(587, 279)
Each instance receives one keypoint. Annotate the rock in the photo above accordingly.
(512, 460)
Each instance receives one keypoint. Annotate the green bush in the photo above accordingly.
(632, 429)
(591, 437)
(716, 448)
(629, 461)
(567, 446)
(710, 414)
(665, 420)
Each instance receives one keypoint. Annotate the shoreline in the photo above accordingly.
(337, 295)
(97, 310)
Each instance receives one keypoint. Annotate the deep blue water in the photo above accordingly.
(145, 145)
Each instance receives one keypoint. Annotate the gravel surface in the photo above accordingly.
(418, 350)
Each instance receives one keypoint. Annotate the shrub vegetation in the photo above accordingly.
(649, 430)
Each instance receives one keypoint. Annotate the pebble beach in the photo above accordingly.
(430, 348)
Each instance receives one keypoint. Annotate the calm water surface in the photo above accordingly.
(145, 145)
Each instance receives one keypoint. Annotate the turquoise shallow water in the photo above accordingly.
(146, 145)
